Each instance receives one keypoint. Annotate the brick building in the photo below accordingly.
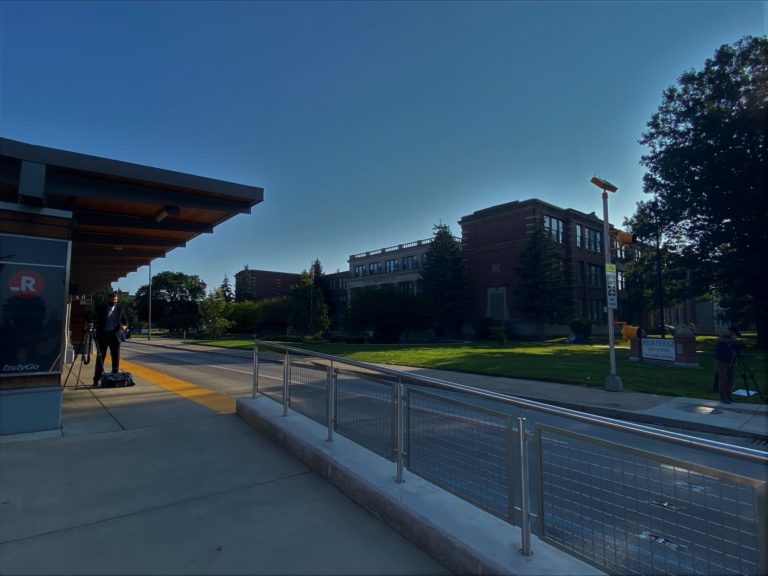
(493, 240)
(262, 284)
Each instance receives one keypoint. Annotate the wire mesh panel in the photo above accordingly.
(462, 448)
(635, 512)
(308, 391)
(271, 374)
(365, 411)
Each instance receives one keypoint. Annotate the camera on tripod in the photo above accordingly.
(90, 322)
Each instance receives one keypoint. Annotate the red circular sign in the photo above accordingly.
(26, 284)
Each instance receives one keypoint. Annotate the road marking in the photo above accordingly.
(215, 401)
(177, 359)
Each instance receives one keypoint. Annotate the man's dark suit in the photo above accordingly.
(108, 338)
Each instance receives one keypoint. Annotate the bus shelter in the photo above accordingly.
(71, 224)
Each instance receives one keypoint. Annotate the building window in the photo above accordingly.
(595, 276)
(374, 268)
(582, 274)
(390, 265)
(332, 284)
(495, 268)
(497, 303)
(359, 271)
(406, 287)
(579, 236)
(555, 229)
(410, 263)
(620, 280)
(594, 241)
(596, 310)
(342, 283)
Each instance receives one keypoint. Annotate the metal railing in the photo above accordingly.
(591, 491)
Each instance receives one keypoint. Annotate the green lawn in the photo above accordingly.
(554, 361)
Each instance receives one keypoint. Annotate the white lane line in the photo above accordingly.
(177, 359)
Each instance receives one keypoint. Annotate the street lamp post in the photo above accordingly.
(612, 381)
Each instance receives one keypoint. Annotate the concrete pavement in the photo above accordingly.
(144, 481)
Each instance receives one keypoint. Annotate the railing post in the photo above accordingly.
(286, 381)
(331, 401)
(399, 429)
(525, 517)
(255, 387)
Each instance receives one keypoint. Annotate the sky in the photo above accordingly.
(366, 123)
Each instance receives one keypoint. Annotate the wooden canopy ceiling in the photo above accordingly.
(119, 216)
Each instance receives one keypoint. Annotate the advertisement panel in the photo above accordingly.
(33, 276)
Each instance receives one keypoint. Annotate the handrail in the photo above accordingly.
(674, 437)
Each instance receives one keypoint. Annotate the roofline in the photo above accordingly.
(98, 164)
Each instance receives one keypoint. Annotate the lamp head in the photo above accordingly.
(604, 184)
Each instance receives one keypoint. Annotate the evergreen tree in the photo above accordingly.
(442, 280)
(542, 288)
(308, 310)
(226, 290)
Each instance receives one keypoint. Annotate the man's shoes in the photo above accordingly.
(94, 385)
(115, 371)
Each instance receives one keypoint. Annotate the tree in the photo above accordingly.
(308, 311)
(274, 314)
(226, 290)
(244, 316)
(442, 279)
(387, 313)
(542, 289)
(655, 274)
(706, 165)
(175, 300)
(211, 319)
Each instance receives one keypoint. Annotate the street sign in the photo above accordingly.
(611, 286)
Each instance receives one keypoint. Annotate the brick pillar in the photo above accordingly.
(635, 349)
(685, 347)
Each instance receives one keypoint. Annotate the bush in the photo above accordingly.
(581, 327)
(482, 327)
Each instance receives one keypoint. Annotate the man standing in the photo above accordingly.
(109, 323)
(726, 352)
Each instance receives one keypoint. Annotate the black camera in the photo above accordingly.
(90, 321)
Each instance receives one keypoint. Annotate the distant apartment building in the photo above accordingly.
(397, 267)
(263, 284)
(493, 240)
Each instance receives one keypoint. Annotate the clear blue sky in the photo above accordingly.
(365, 122)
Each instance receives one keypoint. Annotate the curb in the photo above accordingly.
(463, 538)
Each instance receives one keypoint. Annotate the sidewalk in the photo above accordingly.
(143, 481)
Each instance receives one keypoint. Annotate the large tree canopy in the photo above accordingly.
(175, 300)
(707, 171)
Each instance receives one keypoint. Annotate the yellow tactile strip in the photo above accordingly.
(219, 402)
